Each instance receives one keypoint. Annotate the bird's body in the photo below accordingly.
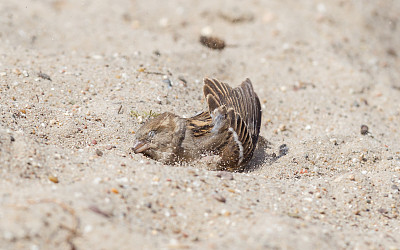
(229, 129)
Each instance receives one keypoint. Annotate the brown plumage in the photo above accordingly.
(229, 129)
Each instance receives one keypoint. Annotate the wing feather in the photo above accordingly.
(242, 100)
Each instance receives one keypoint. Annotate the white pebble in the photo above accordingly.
(321, 8)
(163, 22)
(97, 180)
(88, 229)
(285, 46)
(206, 31)
(35, 247)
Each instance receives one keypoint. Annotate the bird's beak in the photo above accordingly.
(140, 146)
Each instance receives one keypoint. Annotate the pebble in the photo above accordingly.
(163, 22)
(334, 141)
(53, 179)
(3, 73)
(99, 152)
(364, 129)
(88, 229)
(282, 128)
(97, 57)
(109, 147)
(283, 149)
(206, 31)
(212, 42)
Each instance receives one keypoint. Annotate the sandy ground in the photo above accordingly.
(77, 79)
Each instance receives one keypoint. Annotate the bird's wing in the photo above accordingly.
(242, 104)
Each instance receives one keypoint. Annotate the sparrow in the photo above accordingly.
(229, 130)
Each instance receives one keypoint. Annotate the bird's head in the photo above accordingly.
(159, 137)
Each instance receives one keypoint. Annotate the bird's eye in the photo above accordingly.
(151, 134)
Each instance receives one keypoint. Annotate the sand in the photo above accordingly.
(78, 78)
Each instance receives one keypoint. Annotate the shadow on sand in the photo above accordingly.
(261, 157)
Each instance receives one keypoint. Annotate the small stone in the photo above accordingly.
(12, 139)
(334, 141)
(212, 42)
(163, 22)
(308, 127)
(206, 31)
(364, 129)
(282, 128)
(352, 177)
(94, 142)
(99, 152)
(53, 179)
(283, 149)
(3, 73)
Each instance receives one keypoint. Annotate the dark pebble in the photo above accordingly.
(212, 42)
(395, 187)
(391, 52)
(157, 53)
(364, 129)
(12, 138)
(283, 149)
(99, 152)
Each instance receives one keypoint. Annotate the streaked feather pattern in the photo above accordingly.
(229, 129)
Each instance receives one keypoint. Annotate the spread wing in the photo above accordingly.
(243, 107)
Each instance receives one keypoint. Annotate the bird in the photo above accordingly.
(228, 131)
